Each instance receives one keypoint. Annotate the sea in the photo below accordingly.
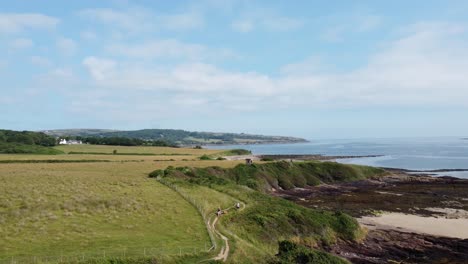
(405, 153)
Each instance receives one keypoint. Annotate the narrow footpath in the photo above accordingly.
(224, 250)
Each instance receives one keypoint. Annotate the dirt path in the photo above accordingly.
(224, 251)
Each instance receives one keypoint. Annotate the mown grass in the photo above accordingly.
(74, 209)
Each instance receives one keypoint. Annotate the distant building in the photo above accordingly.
(70, 142)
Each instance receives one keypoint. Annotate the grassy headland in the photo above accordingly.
(256, 231)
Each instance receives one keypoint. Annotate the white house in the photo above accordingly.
(70, 142)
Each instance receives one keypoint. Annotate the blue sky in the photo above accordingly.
(340, 69)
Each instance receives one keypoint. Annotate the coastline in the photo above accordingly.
(401, 212)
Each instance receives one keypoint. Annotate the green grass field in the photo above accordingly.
(87, 209)
(54, 209)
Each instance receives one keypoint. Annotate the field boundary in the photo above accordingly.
(104, 254)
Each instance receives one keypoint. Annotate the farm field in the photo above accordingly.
(86, 209)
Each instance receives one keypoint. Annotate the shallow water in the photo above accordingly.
(405, 153)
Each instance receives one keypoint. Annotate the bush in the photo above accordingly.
(156, 173)
(205, 157)
(234, 152)
(290, 252)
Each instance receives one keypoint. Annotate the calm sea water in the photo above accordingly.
(405, 153)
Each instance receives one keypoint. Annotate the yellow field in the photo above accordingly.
(137, 149)
(51, 209)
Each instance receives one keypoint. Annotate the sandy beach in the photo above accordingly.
(445, 226)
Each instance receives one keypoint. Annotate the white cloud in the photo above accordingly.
(100, 69)
(21, 43)
(18, 22)
(426, 66)
(66, 46)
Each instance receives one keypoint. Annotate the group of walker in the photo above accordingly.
(219, 212)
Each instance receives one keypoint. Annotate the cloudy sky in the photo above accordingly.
(316, 69)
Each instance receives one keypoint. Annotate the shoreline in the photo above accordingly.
(409, 218)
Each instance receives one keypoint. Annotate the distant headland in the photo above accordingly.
(178, 136)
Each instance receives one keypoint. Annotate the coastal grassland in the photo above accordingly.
(89, 149)
(255, 231)
(84, 209)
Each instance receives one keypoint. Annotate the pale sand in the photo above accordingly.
(437, 226)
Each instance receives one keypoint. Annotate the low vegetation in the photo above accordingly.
(23, 142)
(290, 252)
(266, 220)
(17, 148)
(286, 175)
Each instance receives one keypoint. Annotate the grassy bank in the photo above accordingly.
(266, 220)
(284, 175)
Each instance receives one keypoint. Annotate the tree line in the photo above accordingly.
(124, 141)
(27, 138)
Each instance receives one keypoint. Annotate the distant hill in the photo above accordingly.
(78, 132)
(178, 136)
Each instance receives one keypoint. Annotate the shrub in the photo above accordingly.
(290, 252)
(205, 157)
